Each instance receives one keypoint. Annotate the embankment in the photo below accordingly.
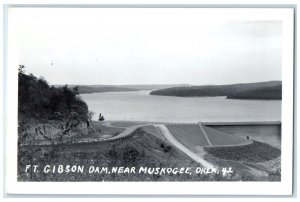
(266, 132)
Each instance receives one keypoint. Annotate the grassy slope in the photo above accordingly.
(140, 149)
(253, 153)
(189, 135)
(124, 124)
(217, 137)
(254, 162)
(262, 90)
(257, 161)
(192, 136)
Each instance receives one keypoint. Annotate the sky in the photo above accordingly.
(118, 46)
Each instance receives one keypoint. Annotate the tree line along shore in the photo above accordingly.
(271, 90)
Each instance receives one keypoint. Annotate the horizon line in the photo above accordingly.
(147, 84)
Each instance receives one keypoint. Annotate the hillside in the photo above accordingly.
(261, 90)
(37, 100)
(139, 149)
(48, 113)
(270, 92)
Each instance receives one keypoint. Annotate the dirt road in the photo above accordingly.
(168, 135)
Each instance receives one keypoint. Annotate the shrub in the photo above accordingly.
(130, 156)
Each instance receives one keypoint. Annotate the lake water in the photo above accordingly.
(140, 106)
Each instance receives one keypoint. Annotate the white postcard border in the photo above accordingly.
(161, 188)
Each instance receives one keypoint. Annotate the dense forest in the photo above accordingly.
(37, 100)
(261, 90)
(267, 93)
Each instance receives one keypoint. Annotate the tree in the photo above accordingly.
(101, 117)
(21, 69)
(76, 91)
(90, 115)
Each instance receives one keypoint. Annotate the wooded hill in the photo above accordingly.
(261, 90)
(37, 100)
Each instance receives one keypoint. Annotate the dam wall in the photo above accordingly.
(267, 132)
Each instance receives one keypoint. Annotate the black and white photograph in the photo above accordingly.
(149, 94)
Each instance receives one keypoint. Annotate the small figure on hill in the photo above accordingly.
(101, 117)
(248, 138)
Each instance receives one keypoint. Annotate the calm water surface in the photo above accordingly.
(140, 106)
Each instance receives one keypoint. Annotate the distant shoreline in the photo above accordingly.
(271, 90)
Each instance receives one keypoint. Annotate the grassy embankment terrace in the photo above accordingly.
(253, 159)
